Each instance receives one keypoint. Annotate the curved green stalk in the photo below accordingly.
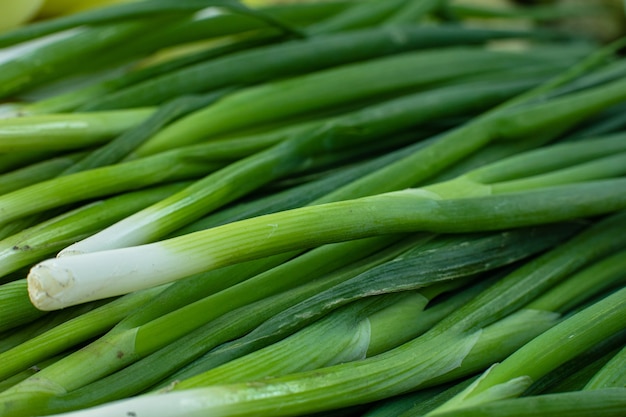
(60, 132)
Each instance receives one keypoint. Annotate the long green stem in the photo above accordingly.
(311, 226)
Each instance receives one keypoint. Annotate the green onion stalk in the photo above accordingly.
(353, 332)
(474, 202)
(118, 148)
(62, 132)
(80, 96)
(213, 332)
(117, 13)
(14, 337)
(73, 332)
(417, 403)
(179, 164)
(418, 363)
(575, 374)
(611, 374)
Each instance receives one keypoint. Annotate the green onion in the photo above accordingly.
(409, 210)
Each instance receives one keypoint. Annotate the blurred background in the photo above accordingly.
(605, 19)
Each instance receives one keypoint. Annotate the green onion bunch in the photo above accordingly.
(354, 208)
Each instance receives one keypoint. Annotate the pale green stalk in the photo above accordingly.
(403, 211)
(61, 132)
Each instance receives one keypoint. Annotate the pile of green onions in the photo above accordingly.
(355, 208)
